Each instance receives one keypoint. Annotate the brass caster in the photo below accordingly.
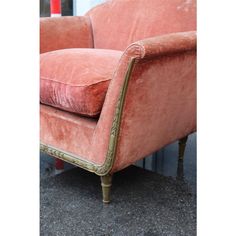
(106, 182)
(182, 145)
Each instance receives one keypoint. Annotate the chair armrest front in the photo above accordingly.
(65, 32)
(151, 100)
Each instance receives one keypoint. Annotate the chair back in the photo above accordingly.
(118, 23)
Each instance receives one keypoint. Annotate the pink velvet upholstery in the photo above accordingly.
(65, 32)
(160, 105)
(122, 22)
(159, 37)
(174, 106)
(66, 131)
(76, 80)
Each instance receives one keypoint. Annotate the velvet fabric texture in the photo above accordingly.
(67, 131)
(162, 107)
(118, 23)
(76, 80)
(172, 117)
(65, 32)
(160, 102)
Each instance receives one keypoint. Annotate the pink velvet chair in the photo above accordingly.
(118, 83)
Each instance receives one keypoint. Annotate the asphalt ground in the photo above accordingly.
(143, 203)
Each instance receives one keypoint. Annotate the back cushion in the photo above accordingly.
(118, 23)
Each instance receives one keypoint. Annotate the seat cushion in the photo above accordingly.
(77, 80)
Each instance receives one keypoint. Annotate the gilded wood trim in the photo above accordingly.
(105, 168)
(68, 157)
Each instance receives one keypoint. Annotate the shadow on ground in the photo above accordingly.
(143, 203)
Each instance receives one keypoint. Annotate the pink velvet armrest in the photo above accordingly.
(160, 102)
(65, 32)
(165, 44)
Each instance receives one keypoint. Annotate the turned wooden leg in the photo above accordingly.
(106, 182)
(180, 171)
(182, 145)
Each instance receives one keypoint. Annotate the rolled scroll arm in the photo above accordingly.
(148, 51)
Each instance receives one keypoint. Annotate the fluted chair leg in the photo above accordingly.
(182, 145)
(106, 182)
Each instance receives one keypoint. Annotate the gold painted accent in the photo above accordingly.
(105, 168)
(106, 182)
(182, 145)
(115, 129)
(65, 156)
